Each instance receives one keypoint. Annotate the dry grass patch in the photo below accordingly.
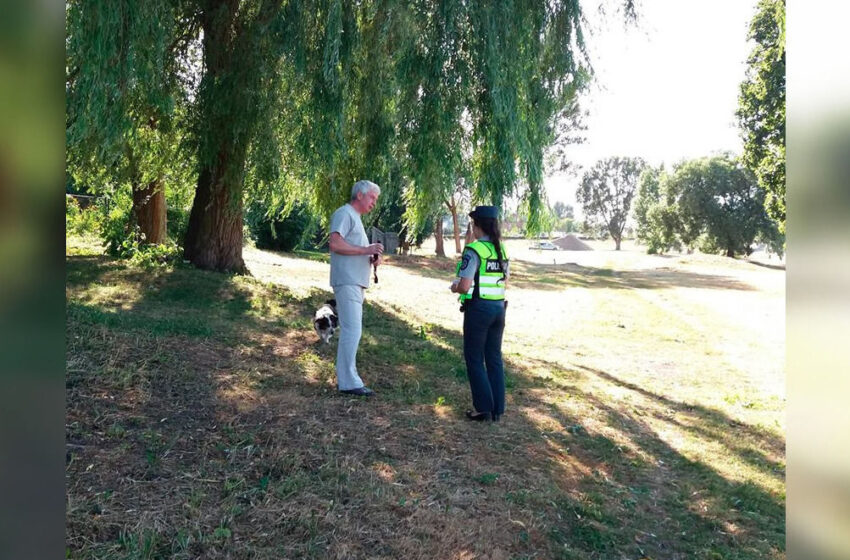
(203, 419)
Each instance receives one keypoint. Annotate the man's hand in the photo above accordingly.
(373, 249)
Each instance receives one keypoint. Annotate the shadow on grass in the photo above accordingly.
(430, 266)
(557, 277)
(767, 265)
(748, 442)
(218, 433)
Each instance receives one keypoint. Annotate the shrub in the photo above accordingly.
(81, 221)
(295, 231)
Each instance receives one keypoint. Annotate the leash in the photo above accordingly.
(374, 260)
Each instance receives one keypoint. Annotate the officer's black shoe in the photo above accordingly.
(360, 391)
(477, 416)
(496, 417)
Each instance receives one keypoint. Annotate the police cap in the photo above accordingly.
(484, 212)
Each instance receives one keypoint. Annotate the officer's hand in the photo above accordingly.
(453, 287)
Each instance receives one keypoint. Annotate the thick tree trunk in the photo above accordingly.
(440, 251)
(617, 243)
(149, 212)
(214, 234)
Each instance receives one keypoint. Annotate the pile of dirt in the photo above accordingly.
(572, 243)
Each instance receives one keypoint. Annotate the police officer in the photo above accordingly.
(482, 275)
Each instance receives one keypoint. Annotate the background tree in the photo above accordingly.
(606, 192)
(656, 218)
(565, 217)
(720, 206)
(125, 105)
(761, 106)
(563, 210)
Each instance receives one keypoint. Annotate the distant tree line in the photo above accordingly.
(713, 204)
(720, 204)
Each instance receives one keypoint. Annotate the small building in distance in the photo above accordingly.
(388, 239)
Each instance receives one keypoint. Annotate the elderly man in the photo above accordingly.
(350, 262)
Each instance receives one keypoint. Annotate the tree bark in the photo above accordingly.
(456, 226)
(438, 237)
(214, 234)
(149, 212)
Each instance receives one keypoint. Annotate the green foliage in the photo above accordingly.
(285, 102)
(81, 221)
(122, 238)
(720, 205)
(606, 192)
(657, 221)
(126, 105)
(761, 105)
(273, 230)
(710, 203)
(563, 211)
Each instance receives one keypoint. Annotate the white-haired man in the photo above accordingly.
(350, 263)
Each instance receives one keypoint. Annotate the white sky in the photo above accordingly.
(665, 90)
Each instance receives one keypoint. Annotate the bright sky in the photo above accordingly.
(666, 90)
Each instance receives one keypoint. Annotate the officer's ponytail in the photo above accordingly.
(490, 227)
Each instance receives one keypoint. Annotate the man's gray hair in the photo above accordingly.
(364, 187)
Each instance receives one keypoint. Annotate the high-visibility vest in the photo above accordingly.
(489, 280)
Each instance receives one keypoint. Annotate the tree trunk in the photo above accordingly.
(438, 237)
(149, 212)
(617, 243)
(214, 234)
(456, 226)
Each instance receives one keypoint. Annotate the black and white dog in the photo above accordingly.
(325, 321)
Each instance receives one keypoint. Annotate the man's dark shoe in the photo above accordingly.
(360, 391)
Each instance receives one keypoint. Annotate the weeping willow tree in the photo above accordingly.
(422, 96)
(297, 100)
(123, 100)
(493, 82)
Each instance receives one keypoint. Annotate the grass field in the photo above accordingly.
(645, 414)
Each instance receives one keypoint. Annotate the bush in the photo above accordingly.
(295, 231)
(177, 223)
(81, 221)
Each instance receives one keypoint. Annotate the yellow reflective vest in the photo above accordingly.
(489, 280)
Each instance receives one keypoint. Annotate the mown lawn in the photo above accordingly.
(645, 413)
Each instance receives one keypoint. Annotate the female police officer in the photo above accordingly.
(482, 276)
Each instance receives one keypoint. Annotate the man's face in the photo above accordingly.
(367, 201)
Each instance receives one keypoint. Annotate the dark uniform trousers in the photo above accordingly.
(483, 326)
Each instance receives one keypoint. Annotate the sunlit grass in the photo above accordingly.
(645, 412)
